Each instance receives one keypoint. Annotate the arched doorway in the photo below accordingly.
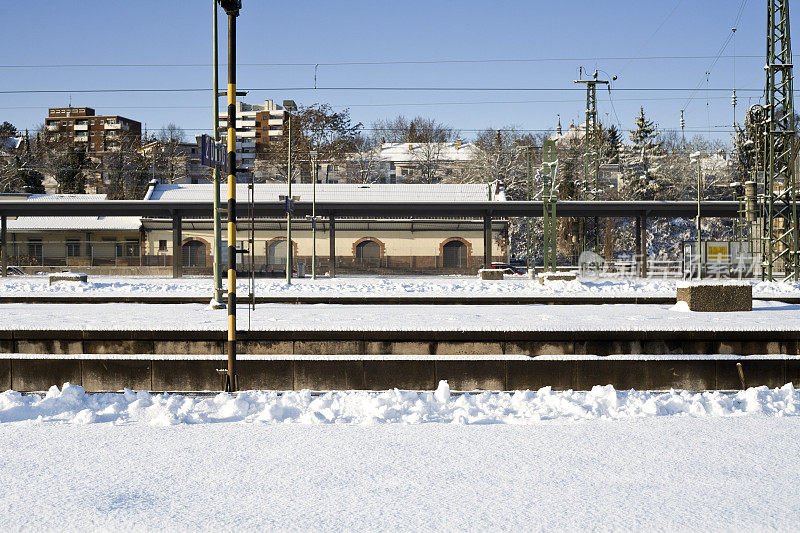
(276, 255)
(454, 255)
(368, 253)
(194, 254)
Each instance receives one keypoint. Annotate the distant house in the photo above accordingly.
(410, 162)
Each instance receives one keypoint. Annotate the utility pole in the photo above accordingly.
(529, 221)
(232, 8)
(216, 302)
(591, 161)
(313, 156)
(779, 210)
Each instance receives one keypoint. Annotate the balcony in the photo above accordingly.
(246, 134)
(52, 127)
(246, 123)
(275, 133)
(245, 144)
(276, 122)
(111, 126)
(82, 138)
(81, 127)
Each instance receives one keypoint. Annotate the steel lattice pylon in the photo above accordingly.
(779, 209)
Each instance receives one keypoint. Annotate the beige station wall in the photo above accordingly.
(54, 243)
(397, 243)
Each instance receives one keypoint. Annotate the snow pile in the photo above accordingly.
(72, 404)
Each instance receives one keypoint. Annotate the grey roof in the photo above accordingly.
(72, 223)
(328, 192)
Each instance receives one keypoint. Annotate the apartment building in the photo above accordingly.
(256, 126)
(90, 132)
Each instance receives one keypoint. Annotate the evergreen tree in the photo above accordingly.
(7, 130)
(69, 175)
(645, 132)
(613, 143)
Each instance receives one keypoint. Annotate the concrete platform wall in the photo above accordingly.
(419, 374)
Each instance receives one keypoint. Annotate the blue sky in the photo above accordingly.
(579, 33)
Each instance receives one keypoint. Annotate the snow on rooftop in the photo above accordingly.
(329, 192)
(88, 223)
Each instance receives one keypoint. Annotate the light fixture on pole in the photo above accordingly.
(291, 107)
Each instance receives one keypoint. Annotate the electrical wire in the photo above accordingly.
(367, 63)
(362, 88)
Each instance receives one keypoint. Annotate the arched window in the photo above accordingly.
(454, 254)
(276, 254)
(194, 254)
(368, 253)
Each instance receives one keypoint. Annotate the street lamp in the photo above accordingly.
(290, 107)
(313, 155)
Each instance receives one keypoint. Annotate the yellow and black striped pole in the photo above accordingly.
(232, 9)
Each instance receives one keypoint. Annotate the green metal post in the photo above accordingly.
(288, 211)
(217, 301)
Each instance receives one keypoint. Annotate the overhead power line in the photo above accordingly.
(368, 63)
(355, 88)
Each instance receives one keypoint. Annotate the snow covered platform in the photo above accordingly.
(418, 343)
(430, 288)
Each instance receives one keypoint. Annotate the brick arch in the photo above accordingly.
(463, 241)
(278, 239)
(200, 239)
(373, 239)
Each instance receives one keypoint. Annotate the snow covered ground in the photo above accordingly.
(367, 286)
(542, 460)
(766, 316)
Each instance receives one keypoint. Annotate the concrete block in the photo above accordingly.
(328, 347)
(399, 348)
(699, 374)
(329, 375)
(41, 374)
(534, 348)
(468, 348)
(472, 375)
(490, 274)
(262, 347)
(623, 375)
(268, 375)
(557, 276)
(757, 372)
(74, 277)
(114, 375)
(716, 297)
(187, 375)
(5, 374)
(603, 347)
(7, 346)
(194, 347)
(49, 346)
(533, 374)
(414, 375)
